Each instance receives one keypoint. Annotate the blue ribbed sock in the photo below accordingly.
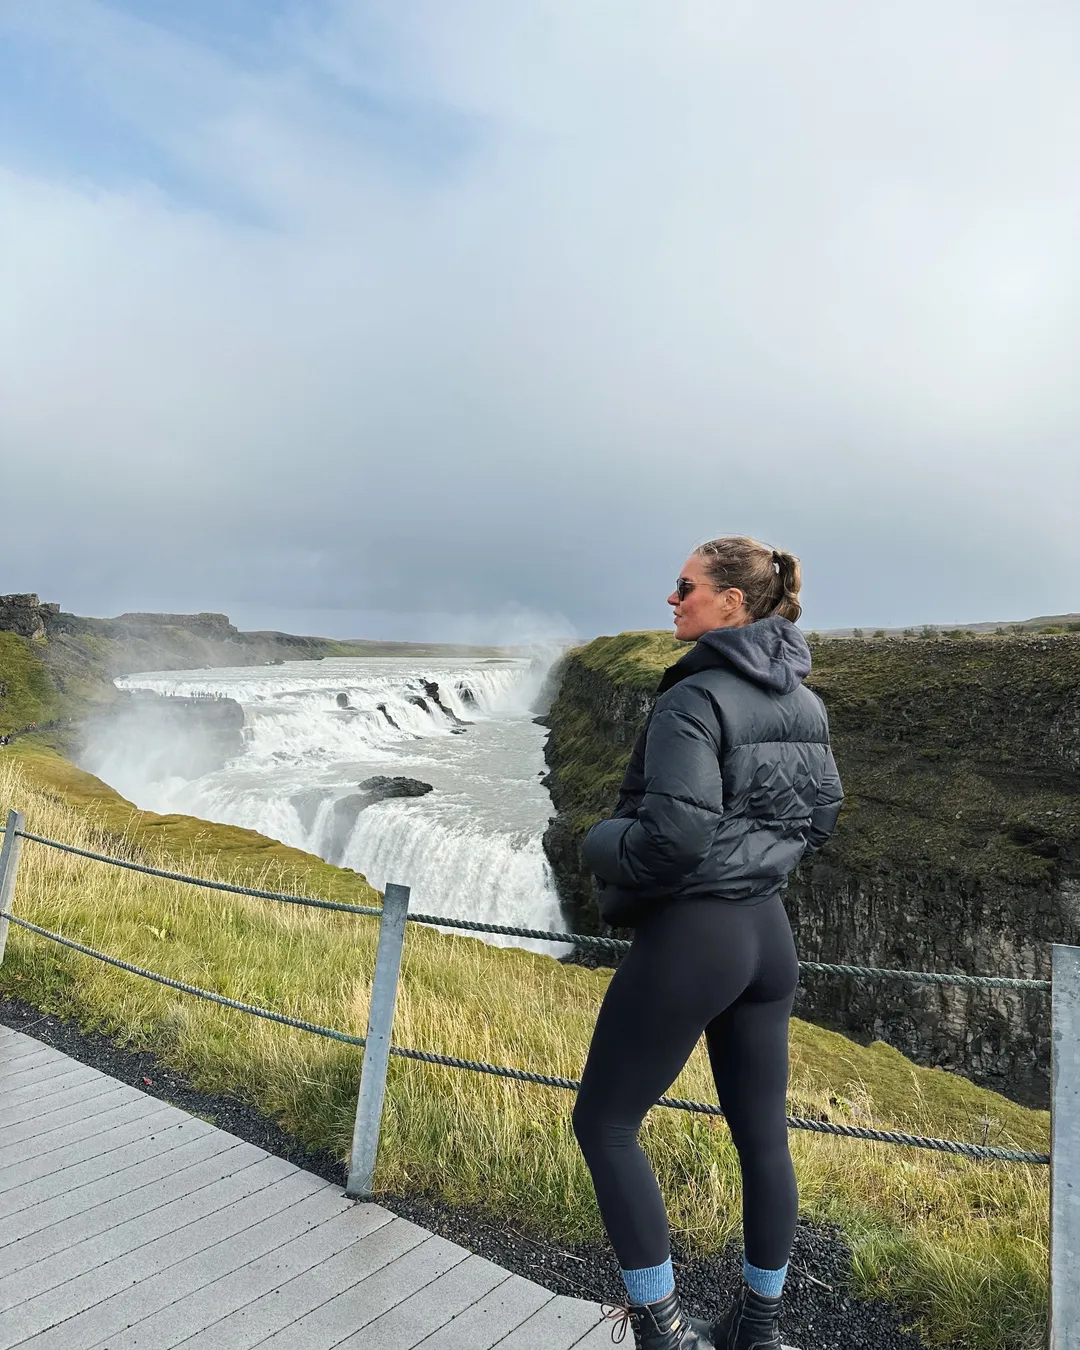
(767, 1283)
(650, 1284)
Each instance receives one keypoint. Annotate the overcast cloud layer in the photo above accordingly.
(461, 318)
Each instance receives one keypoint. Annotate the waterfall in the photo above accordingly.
(313, 731)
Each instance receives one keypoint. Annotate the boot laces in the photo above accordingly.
(622, 1315)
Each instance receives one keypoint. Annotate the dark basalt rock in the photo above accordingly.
(26, 615)
(380, 787)
(343, 700)
(431, 689)
(386, 713)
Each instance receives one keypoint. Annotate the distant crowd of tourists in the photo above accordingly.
(13, 735)
(10, 736)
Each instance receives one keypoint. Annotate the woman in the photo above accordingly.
(730, 784)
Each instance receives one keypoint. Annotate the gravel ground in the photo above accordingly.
(820, 1312)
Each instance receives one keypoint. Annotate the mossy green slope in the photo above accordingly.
(28, 692)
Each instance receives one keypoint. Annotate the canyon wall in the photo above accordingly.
(958, 848)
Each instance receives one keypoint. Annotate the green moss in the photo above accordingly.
(29, 693)
(636, 660)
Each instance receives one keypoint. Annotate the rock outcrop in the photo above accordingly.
(958, 848)
(432, 691)
(26, 615)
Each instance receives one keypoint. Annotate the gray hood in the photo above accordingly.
(772, 652)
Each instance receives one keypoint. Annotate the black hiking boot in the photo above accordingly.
(660, 1326)
(751, 1323)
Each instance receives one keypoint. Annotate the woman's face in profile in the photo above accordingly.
(702, 607)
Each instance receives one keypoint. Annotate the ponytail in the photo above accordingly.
(789, 576)
(769, 578)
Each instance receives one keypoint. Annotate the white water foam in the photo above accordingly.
(469, 849)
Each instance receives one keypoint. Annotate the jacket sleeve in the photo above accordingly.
(681, 806)
(830, 798)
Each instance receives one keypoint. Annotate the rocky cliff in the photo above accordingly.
(958, 848)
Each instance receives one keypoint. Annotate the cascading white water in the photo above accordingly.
(315, 730)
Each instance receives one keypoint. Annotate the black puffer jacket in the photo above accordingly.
(731, 780)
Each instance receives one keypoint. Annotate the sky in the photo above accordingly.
(467, 320)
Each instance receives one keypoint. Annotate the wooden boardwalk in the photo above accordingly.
(126, 1224)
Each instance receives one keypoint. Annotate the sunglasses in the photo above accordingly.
(684, 587)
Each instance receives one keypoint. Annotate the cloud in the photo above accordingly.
(485, 306)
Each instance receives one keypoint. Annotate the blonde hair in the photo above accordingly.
(769, 578)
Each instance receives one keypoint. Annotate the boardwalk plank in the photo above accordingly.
(54, 1130)
(354, 1308)
(33, 1105)
(101, 1276)
(15, 1054)
(252, 1323)
(39, 1273)
(152, 1143)
(106, 1189)
(600, 1337)
(430, 1308)
(119, 1217)
(74, 1151)
(491, 1318)
(43, 1063)
(558, 1325)
(165, 1305)
(267, 1257)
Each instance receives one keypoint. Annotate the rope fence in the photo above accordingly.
(586, 940)
(955, 1146)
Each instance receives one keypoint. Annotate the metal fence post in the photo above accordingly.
(1065, 1150)
(369, 1104)
(9, 866)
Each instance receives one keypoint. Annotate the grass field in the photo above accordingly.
(962, 1244)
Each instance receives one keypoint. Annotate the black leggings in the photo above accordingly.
(727, 969)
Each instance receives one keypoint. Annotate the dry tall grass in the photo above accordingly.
(964, 1244)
